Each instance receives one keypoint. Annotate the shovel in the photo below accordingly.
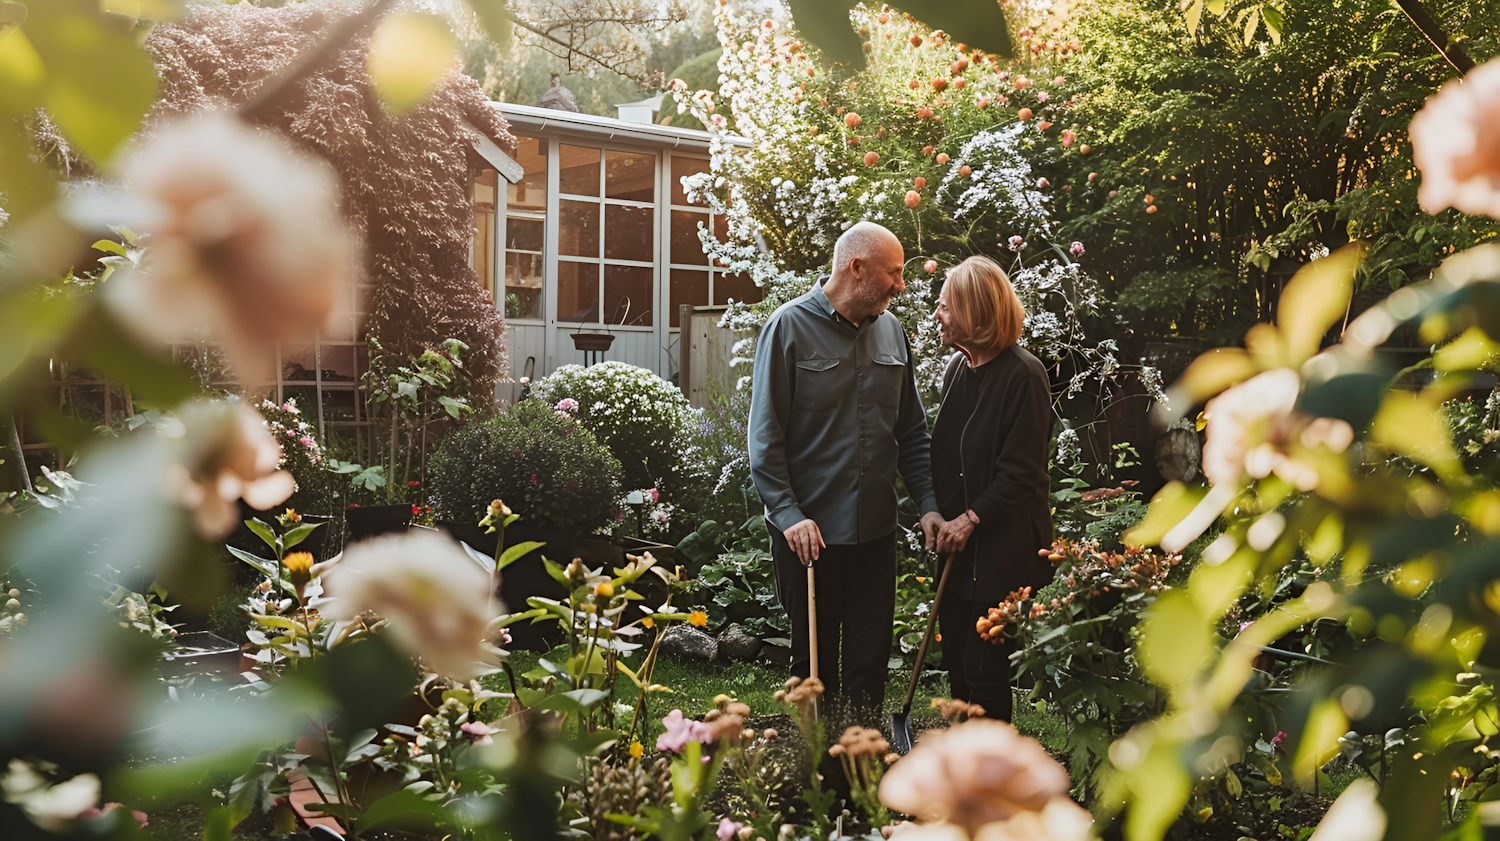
(900, 722)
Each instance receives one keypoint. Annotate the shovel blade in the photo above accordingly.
(901, 732)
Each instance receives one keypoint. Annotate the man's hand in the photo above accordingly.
(932, 521)
(805, 539)
(954, 534)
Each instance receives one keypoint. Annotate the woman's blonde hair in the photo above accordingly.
(985, 308)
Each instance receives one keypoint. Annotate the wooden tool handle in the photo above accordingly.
(812, 623)
(937, 600)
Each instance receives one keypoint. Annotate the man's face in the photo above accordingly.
(879, 277)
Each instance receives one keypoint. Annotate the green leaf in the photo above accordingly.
(517, 552)
(262, 531)
(264, 565)
(409, 54)
(826, 24)
(297, 534)
(1275, 23)
(100, 83)
(407, 809)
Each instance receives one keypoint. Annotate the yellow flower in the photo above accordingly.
(291, 516)
(637, 750)
(298, 566)
(604, 589)
(499, 509)
(698, 618)
(648, 622)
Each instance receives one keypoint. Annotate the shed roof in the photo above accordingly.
(527, 118)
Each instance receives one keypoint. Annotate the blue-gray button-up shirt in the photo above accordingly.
(834, 414)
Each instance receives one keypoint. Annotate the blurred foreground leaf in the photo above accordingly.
(409, 54)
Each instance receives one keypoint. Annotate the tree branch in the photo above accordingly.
(1419, 16)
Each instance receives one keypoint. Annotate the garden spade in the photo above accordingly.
(900, 723)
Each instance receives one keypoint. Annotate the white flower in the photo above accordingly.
(247, 244)
(51, 807)
(436, 600)
(232, 456)
(1455, 142)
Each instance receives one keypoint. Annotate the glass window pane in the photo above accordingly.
(627, 295)
(338, 406)
(523, 285)
(737, 286)
(523, 234)
(578, 229)
(338, 363)
(578, 291)
(630, 175)
(531, 190)
(578, 170)
(297, 363)
(686, 247)
(681, 168)
(689, 286)
(628, 233)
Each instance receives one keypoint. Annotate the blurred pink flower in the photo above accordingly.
(727, 829)
(680, 731)
(480, 731)
(973, 774)
(233, 456)
(567, 404)
(1076, 249)
(435, 600)
(1455, 141)
(246, 241)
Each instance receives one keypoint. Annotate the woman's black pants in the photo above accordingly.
(978, 672)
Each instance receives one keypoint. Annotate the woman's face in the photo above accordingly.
(948, 324)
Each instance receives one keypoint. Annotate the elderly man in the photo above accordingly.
(834, 415)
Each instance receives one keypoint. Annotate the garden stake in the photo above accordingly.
(900, 722)
(812, 629)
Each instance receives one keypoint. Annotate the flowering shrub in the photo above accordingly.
(947, 147)
(302, 456)
(643, 419)
(1075, 637)
(550, 469)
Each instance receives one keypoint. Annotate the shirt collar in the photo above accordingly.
(820, 299)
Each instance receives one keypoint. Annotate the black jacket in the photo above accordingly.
(989, 452)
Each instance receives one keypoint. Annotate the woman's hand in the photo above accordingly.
(954, 534)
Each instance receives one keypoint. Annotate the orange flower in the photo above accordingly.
(698, 619)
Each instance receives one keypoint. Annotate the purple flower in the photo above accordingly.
(680, 731)
(727, 829)
(1076, 248)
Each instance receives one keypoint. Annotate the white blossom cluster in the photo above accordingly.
(1001, 178)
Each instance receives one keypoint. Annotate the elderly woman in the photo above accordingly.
(989, 465)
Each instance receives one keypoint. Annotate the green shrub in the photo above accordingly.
(643, 419)
(548, 468)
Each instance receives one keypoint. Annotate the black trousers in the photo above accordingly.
(978, 672)
(856, 592)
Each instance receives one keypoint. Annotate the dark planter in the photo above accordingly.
(593, 341)
(369, 521)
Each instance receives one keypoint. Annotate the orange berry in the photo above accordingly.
(852, 119)
(942, 158)
(964, 170)
(920, 182)
(913, 198)
(1150, 208)
(1024, 114)
(871, 158)
(939, 84)
(1084, 149)
(916, 40)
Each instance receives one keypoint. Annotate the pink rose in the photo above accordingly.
(1455, 141)
(680, 731)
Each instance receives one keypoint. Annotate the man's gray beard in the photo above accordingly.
(868, 304)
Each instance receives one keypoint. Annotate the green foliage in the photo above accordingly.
(737, 576)
(548, 469)
(1206, 303)
(417, 398)
(302, 456)
(643, 420)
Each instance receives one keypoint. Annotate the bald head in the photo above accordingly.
(867, 265)
(863, 239)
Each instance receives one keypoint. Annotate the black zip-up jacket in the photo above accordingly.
(989, 454)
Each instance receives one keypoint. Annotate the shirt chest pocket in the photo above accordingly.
(821, 383)
(887, 379)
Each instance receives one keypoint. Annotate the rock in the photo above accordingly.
(684, 642)
(734, 643)
(776, 652)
